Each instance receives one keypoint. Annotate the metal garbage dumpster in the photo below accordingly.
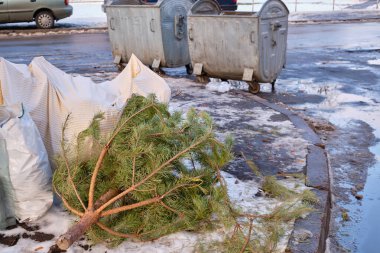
(156, 33)
(244, 46)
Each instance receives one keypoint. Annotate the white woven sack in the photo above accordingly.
(29, 168)
(50, 95)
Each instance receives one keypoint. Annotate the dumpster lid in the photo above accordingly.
(273, 9)
(206, 7)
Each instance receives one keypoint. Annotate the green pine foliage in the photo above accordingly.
(185, 147)
(275, 190)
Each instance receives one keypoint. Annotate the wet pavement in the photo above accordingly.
(332, 74)
(80, 53)
(337, 78)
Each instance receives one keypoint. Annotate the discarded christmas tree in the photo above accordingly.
(157, 174)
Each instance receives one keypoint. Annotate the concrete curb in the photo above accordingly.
(316, 224)
(59, 31)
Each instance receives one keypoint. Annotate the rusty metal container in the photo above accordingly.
(155, 33)
(246, 46)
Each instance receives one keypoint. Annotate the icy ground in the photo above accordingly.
(243, 192)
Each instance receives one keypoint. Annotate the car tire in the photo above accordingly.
(44, 20)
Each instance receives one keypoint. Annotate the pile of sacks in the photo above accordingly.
(35, 101)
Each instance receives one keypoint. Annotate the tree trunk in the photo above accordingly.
(78, 230)
(89, 219)
(105, 198)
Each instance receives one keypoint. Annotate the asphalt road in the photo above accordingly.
(80, 53)
(332, 73)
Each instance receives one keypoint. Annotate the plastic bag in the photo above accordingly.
(6, 204)
(29, 169)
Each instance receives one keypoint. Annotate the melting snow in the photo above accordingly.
(218, 86)
(374, 62)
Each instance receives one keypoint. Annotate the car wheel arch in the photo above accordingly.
(41, 10)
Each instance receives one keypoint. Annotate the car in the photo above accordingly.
(227, 5)
(43, 12)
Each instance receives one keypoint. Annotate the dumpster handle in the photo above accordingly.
(152, 25)
(253, 37)
(112, 26)
(191, 34)
(275, 26)
(179, 23)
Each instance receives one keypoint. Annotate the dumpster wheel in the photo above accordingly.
(158, 71)
(202, 79)
(254, 87)
(189, 69)
(120, 66)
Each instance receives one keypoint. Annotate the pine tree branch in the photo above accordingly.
(248, 237)
(160, 228)
(159, 115)
(172, 133)
(130, 207)
(104, 153)
(154, 172)
(94, 176)
(67, 163)
(133, 170)
(70, 208)
(192, 162)
(115, 233)
(172, 209)
(140, 204)
(237, 228)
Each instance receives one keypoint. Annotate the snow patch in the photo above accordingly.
(218, 86)
(374, 62)
(332, 62)
(225, 86)
(335, 99)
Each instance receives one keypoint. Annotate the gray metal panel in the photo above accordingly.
(224, 44)
(273, 31)
(136, 29)
(174, 31)
(232, 44)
